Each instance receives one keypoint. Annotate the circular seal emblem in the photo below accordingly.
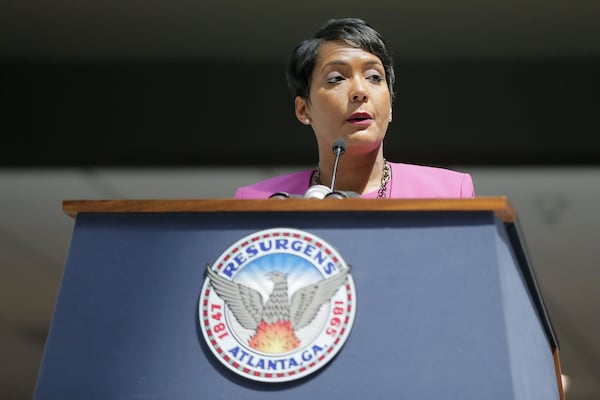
(277, 305)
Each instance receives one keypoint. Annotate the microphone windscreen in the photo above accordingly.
(280, 195)
(339, 144)
(317, 192)
(284, 195)
(340, 194)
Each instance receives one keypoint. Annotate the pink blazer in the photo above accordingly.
(408, 181)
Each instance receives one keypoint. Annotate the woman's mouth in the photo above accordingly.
(360, 118)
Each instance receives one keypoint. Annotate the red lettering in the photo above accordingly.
(335, 322)
(220, 327)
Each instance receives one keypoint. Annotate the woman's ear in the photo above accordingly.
(301, 107)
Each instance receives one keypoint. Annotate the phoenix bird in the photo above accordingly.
(279, 310)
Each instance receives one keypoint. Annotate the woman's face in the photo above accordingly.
(348, 98)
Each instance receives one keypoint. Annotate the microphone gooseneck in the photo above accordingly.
(317, 192)
(339, 147)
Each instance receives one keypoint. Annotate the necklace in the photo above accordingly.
(385, 178)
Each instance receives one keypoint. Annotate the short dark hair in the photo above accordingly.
(353, 31)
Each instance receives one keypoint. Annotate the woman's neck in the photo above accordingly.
(357, 173)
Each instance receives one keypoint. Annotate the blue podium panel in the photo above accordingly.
(442, 310)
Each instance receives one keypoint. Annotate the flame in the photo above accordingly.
(274, 338)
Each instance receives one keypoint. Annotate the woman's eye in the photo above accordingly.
(335, 79)
(375, 78)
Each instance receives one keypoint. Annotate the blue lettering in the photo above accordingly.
(266, 246)
(281, 244)
(309, 249)
(305, 249)
(316, 349)
(229, 269)
(269, 364)
(239, 259)
(244, 354)
(272, 364)
(320, 257)
(234, 351)
(249, 362)
(251, 251)
(329, 268)
(261, 363)
(306, 356)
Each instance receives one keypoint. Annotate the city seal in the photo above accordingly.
(277, 305)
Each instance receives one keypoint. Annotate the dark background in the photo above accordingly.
(156, 83)
(186, 113)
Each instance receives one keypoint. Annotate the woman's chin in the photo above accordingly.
(365, 137)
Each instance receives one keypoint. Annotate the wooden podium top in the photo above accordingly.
(499, 205)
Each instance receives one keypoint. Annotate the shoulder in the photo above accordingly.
(294, 183)
(419, 181)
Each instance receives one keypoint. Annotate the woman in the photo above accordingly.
(343, 82)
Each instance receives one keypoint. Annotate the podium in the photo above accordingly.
(447, 305)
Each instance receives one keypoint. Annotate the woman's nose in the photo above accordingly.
(359, 92)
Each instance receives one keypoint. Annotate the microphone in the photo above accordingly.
(322, 191)
(317, 192)
(284, 195)
(339, 148)
(339, 194)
